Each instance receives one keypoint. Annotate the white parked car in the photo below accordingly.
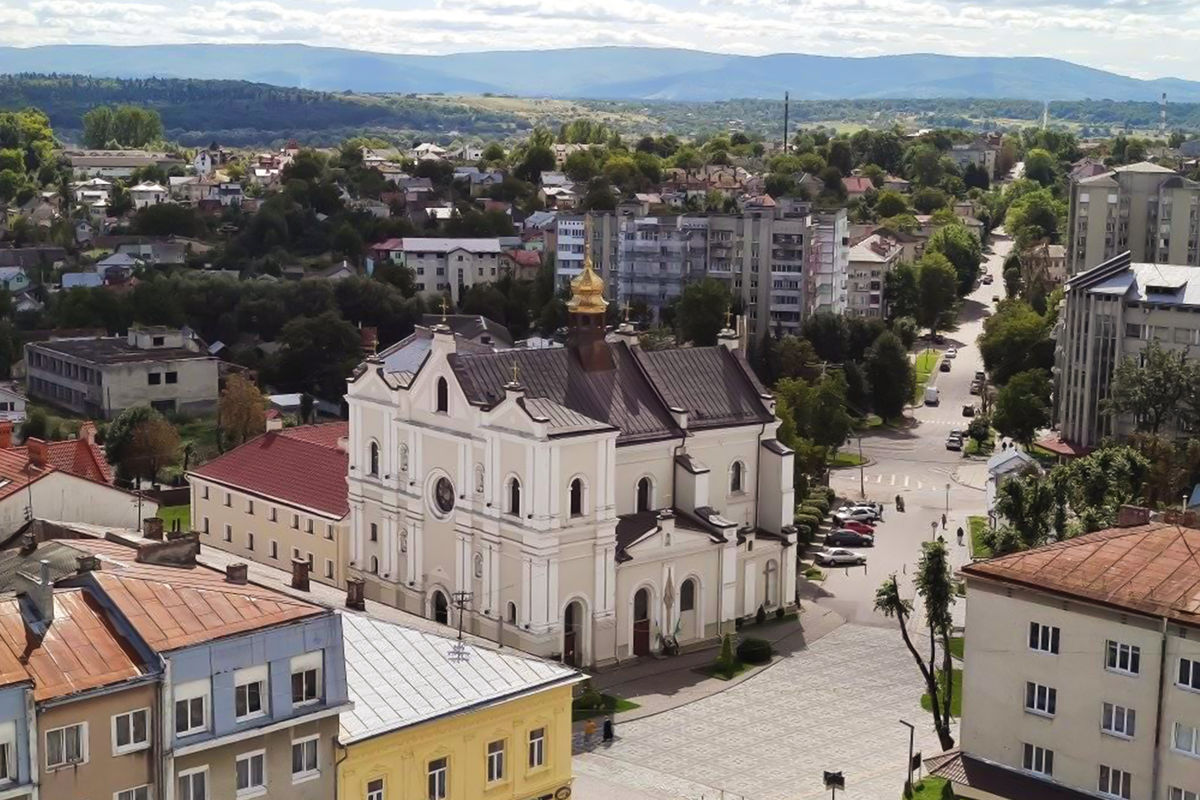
(951, 352)
(860, 513)
(840, 556)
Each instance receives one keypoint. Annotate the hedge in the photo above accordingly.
(754, 651)
(807, 519)
(811, 510)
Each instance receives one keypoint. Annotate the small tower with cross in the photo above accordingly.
(728, 337)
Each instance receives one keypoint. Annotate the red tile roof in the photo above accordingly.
(74, 456)
(301, 466)
(1151, 569)
(80, 650)
(172, 607)
(857, 185)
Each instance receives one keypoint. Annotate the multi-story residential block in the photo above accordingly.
(1044, 264)
(1145, 209)
(1110, 312)
(156, 677)
(279, 497)
(495, 724)
(598, 501)
(1082, 669)
(447, 266)
(102, 376)
(870, 262)
(980, 152)
(828, 263)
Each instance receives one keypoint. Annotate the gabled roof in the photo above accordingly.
(712, 384)
(399, 676)
(73, 456)
(1151, 569)
(300, 466)
(1148, 167)
(471, 326)
(1009, 459)
(965, 770)
(80, 649)
(172, 607)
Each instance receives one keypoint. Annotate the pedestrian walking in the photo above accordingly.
(960, 535)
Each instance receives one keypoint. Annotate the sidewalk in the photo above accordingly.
(662, 684)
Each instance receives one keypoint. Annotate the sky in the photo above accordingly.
(1142, 38)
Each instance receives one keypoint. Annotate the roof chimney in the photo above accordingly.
(300, 569)
(87, 563)
(38, 454)
(369, 339)
(1132, 516)
(236, 573)
(152, 528)
(87, 432)
(39, 591)
(355, 598)
(6, 434)
(28, 543)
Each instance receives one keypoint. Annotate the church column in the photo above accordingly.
(390, 561)
(356, 532)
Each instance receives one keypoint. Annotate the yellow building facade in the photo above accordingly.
(465, 739)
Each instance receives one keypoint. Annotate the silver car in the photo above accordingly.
(839, 556)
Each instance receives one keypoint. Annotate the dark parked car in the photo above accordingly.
(945, 366)
(848, 538)
(968, 410)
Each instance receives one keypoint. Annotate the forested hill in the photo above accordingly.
(195, 112)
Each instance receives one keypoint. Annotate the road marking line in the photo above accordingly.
(905, 481)
(920, 485)
(893, 479)
(879, 479)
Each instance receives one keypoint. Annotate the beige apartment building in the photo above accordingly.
(102, 376)
(279, 497)
(1148, 210)
(446, 266)
(1110, 312)
(594, 501)
(870, 262)
(1082, 669)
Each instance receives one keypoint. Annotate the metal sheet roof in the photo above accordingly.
(399, 676)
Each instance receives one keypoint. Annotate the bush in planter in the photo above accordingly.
(813, 510)
(754, 651)
(589, 699)
(817, 503)
(807, 519)
(830, 495)
(726, 664)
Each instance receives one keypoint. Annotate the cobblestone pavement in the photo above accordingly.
(834, 706)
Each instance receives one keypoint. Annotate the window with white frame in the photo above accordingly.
(1038, 759)
(251, 772)
(1189, 674)
(1120, 657)
(537, 747)
(1117, 720)
(136, 793)
(66, 746)
(1183, 794)
(1115, 782)
(305, 759)
(1186, 739)
(193, 785)
(131, 731)
(191, 707)
(1040, 699)
(375, 789)
(1043, 638)
(8, 737)
(495, 761)
(250, 692)
(439, 772)
(306, 678)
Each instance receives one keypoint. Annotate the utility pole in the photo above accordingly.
(785, 122)
(461, 599)
(908, 767)
(862, 481)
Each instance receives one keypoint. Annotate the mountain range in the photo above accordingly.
(623, 73)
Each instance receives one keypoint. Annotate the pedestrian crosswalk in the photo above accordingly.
(892, 480)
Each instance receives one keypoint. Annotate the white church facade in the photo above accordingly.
(596, 501)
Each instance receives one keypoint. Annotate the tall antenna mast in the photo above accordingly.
(1045, 114)
(1162, 115)
(785, 122)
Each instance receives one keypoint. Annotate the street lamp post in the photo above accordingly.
(933, 526)
(908, 765)
(947, 499)
(862, 481)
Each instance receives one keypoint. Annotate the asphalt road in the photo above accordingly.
(913, 462)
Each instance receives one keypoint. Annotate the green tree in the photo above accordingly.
(962, 248)
(1023, 405)
(1015, 339)
(928, 200)
(1034, 217)
(901, 290)
(1040, 166)
(1025, 502)
(890, 376)
(889, 204)
(318, 354)
(126, 125)
(140, 442)
(241, 411)
(935, 587)
(702, 309)
(829, 335)
(937, 288)
(1151, 386)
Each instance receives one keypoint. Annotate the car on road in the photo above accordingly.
(848, 538)
(944, 366)
(980, 375)
(975, 387)
(839, 556)
(954, 441)
(859, 514)
(932, 396)
(858, 526)
(987, 278)
(968, 410)
(996, 299)
(951, 352)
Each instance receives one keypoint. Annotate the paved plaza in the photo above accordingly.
(834, 706)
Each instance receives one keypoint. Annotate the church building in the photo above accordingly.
(592, 502)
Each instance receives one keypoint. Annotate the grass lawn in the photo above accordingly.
(868, 422)
(1043, 456)
(171, 513)
(956, 646)
(955, 700)
(585, 713)
(928, 789)
(845, 458)
(925, 363)
(978, 548)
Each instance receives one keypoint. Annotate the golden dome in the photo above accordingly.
(587, 288)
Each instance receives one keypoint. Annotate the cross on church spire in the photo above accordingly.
(444, 307)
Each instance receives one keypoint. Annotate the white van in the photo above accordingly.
(931, 396)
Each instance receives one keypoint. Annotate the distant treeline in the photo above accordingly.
(194, 112)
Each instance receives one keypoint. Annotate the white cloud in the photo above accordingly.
(1115, 34)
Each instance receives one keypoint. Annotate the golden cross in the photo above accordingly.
(516, 372)
(444, 309)
(728, 316)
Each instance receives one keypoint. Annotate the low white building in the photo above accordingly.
(148, 194)
(1005, 464)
